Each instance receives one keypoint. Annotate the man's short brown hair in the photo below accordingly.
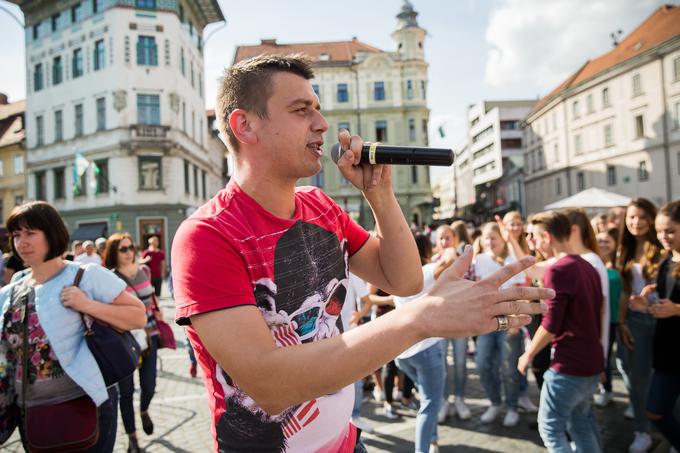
(247, 85)
(555, 223)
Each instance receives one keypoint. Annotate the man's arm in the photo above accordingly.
(542, 338)
(278, 378)
(390, 260)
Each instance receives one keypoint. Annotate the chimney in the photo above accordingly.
(3, 99)
(268, 42)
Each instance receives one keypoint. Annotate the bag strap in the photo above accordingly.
(127, 282)
(76, 283)
(24, 359)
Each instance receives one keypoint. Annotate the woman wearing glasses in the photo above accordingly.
(119, 256)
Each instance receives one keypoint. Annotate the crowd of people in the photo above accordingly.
(270, 282)
(617, 304)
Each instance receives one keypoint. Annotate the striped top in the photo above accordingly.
(141, 287)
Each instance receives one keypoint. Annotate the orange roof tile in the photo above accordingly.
(340, 51)
(663, 25)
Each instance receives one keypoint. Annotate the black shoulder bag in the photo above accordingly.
(117, 353)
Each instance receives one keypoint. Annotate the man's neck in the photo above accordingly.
(274, 195)
(562, 249)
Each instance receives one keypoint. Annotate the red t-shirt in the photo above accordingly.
(233, 252)
(157, 257)
(573, 316)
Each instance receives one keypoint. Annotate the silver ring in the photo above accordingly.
(502, 323)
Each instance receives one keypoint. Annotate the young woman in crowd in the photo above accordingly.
(607, 242)
(424, 361)
(512, 228)
(665, 387)
(119, 256)
(501, 348)
(638, 259)
(453, 242)
(461, 237)
(445, 240)
(60, 367)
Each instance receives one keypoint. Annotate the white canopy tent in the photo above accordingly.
(591, 198)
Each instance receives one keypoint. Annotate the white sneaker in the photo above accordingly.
(628, 413)
(525, 403)
(389, 412)
(378, 395)
(511, 418)
(434, 448)
(603, 398)
(490, 414)
(443, 412)
(641, 443)
(362, 424)
(462, 409)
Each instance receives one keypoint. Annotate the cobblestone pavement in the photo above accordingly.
(180, 414)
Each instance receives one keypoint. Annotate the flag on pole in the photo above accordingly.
(80, 165)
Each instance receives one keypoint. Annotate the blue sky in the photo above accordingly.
(477, 49)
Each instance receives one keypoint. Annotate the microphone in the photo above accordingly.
(374, 153)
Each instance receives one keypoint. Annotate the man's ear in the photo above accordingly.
(240, 123)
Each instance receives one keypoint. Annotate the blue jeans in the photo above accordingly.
(460, 349)
(358, 396)
(637, 364)
(426, 369)
(566, 407)
(147, 384)
(663, 394)
(497, 355)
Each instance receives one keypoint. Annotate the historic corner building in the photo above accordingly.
(614, 123)
(120, 83)
(377, 94)
(12, 160)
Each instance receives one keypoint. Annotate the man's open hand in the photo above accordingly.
(458, 308)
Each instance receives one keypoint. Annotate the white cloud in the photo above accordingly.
(542, 42)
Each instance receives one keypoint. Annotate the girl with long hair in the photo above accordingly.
(500, 348)
(120, 257)
(665, 387)
(43, 304)
(461, 237)
(638, 259)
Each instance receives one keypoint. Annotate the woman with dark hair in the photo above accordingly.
(119, 256)
(638, 259)
(42, 304)
(665, 387)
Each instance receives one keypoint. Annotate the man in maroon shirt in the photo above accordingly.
(572, 327)
(155, 259)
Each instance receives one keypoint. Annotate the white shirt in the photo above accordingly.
(595, 261)
(84, 258)
(485, 265)
(356, 290)
(428, 281)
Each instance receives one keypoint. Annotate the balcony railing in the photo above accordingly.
(149, 131)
